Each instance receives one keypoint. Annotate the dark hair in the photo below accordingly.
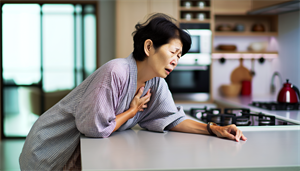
(159, 28)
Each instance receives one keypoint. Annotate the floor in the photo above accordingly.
(9, 154)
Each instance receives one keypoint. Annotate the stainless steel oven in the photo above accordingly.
(190, 82)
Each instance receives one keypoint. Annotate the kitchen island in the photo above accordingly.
(138, 149)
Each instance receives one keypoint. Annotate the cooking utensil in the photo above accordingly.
(288, 94)
(240, 74)
(252, 72)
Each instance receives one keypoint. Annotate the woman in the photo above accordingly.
(120, 94)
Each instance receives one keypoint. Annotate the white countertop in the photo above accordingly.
(244, 101)
(273, 148)
(138, 149)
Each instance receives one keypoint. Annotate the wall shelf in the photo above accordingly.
(194, 9)
(244, 52)
(245, 33)
(244, 55)
(194, 21)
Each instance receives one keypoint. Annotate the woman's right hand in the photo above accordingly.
(140, 103)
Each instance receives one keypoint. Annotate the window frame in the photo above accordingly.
(41, 2)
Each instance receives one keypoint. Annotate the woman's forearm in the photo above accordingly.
(125, 116)
(191, 126)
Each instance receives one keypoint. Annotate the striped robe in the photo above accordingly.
(91, 109)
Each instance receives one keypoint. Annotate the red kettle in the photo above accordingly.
(288, 94)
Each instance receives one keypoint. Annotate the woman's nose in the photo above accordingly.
(174, 62)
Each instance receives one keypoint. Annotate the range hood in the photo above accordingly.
(281, 8)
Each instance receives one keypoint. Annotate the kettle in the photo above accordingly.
(288, 94)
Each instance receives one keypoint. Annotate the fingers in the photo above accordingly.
(238, 133)
(243, 138)
(140, 92)
(143, 100)
(233, 133)
(146, 98)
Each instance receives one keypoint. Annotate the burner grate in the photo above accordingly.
(276, 106)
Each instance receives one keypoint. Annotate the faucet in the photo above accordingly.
(273, 88)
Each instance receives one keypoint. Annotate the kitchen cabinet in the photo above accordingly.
(225, 7)
(232, 13)
(130, 12)
(269, 23)
(241, 7)
(257, 4)
(195, 11)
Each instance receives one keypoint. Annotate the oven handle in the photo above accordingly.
(191, 68)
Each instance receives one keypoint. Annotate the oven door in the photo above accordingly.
(190, 82)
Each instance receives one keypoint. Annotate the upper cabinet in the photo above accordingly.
(224, 17)
(251, 36)
(258, 4)
(195, 11)
(130, 12)
(231, 7)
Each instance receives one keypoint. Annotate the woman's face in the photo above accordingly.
(164, 59)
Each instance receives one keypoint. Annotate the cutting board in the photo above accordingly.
(240, 73)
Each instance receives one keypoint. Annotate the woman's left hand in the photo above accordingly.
(230, 132)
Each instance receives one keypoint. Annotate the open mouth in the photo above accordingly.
(168, 70)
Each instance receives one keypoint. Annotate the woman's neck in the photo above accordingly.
(144, 73)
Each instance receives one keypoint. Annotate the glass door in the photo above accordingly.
(47, 50)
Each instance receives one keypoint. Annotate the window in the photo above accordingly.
(47, 50)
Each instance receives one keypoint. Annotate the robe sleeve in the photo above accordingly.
(162, 113)
(95, 113)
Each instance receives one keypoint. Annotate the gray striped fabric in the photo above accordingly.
(91, 109)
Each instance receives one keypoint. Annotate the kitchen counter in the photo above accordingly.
(244, 101)
(138, 149)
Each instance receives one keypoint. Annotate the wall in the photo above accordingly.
(106, 30)
(287, 63)
(289, 44)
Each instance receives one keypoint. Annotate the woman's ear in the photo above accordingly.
(148, 44)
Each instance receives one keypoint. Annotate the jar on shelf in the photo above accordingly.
(188, 16)
(201, 16)
(201, 4)
(187, 4)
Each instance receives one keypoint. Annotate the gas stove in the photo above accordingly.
(276, 105)
(237, 116)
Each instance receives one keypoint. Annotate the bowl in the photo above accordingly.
(231, 90)
(258, 46)
(227, 47)
(224, 27)
(258, 27)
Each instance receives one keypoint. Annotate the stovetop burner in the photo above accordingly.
(237, 116)
(276, 106)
